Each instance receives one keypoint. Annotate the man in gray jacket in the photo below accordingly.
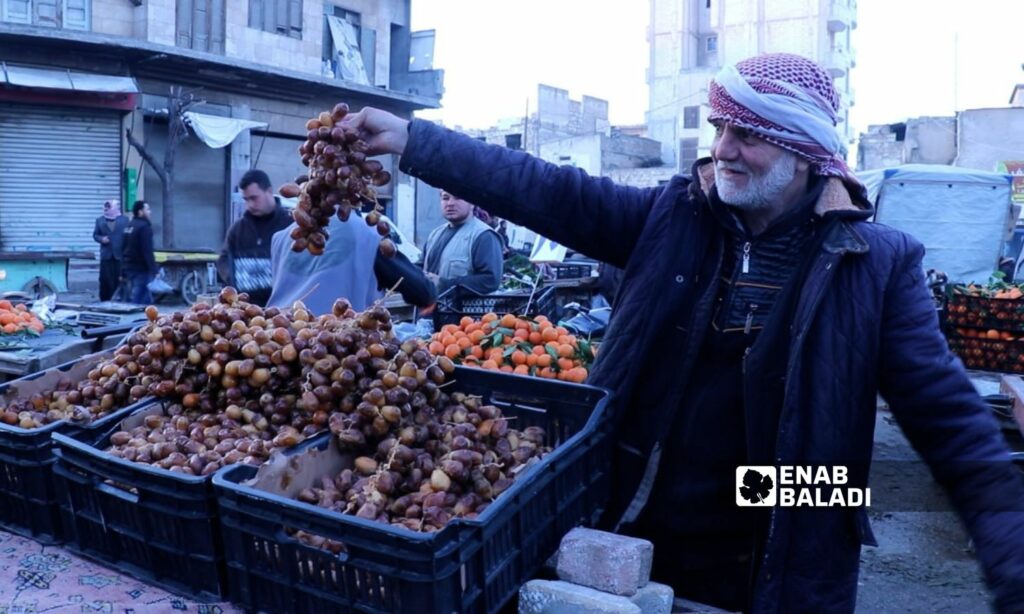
(464, 252)
(109, 233)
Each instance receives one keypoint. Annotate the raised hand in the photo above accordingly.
(382, 131)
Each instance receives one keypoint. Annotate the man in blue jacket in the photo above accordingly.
(139, 261)
(758, 317)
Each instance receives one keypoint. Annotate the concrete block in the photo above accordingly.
(556, 597)
(605, 561)
(654, 598)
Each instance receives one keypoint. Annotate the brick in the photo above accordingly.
(685, 606)
(557, 597)
(605, 561)
(654, 598)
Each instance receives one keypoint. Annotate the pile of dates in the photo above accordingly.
(199, 444)
(423, 457)
(81, 403)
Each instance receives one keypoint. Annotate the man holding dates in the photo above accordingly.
(759, 315)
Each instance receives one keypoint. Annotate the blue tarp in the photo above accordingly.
(961, 215)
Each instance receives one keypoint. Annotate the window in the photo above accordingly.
(349, 48)
(687, 155)
(278, 16)
(707, 51)
(70, 14)
(691, 117)
(200, 25)
(421, 50)
(514, 141)
(348, 17)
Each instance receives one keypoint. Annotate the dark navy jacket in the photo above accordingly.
(864, 323)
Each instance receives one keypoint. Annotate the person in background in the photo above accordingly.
(351, 267)
(502, 231)
(244, 260)
(109, 233)
(138, 261)
(463, 252)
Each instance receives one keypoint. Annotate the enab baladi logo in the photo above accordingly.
(798, 486)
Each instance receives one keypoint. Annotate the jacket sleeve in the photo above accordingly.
(950, 426)
(97, 235)
(224, 259)
(415, 288)
(146, 244)
(487, 267)
(591, 215)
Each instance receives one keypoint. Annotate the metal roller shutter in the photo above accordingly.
(57, 166)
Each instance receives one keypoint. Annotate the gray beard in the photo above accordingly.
(761, 191)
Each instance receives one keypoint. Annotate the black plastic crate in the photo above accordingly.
(149, 523)
(470, 565)
(963, 310)
(154, 525)
(455, 303)
(28, 497)
(985, 354)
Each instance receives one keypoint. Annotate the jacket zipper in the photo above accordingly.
(746, 257)
(750, 319)
(772, 517)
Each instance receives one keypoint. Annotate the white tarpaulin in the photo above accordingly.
(218, 131)
(960, 215)
(346, 46)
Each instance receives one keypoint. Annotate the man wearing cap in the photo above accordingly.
(758, 317)
(109, 233)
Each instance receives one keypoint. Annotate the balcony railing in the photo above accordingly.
(841, 16)
(838, 62)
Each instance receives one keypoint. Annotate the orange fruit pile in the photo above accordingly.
(17, 319)
(525, 346)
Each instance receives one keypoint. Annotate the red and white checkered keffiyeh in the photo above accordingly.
(787, 100)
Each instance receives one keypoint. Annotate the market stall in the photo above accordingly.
(37, 273)
(209, 456)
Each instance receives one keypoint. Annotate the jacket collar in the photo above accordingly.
(843, 238)
(838, 199)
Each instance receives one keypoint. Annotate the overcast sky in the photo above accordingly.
(494, 54)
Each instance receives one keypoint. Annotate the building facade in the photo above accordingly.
(982, 139)
(690, 40)
(86, 72)
(556, 117)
